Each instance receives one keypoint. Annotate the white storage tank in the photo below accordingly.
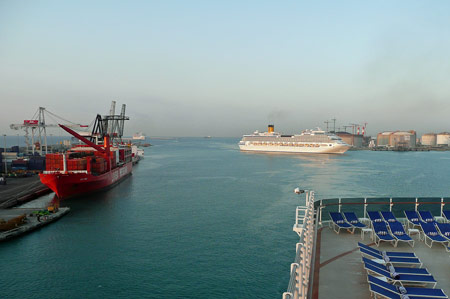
(429, 139)
(443, 139)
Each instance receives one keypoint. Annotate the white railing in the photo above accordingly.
(391, 201)
(300, 279)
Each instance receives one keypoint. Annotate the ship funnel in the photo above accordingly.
(270, 128)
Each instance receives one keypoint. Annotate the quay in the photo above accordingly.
(29, 220)
(20, 190)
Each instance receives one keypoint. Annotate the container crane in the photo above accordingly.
(40, 126)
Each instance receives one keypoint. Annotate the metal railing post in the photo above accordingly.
(365, 207)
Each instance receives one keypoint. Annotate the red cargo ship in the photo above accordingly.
(86, 168)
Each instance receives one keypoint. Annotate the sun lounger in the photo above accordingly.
(403, 261)
(402, 279)
(399, 233)
(353, 220)
(413, 218)
(446, 215)
(426, 216)
(388, 253)
(375, 216)
(339, 223)
(382, 234)
(419, 292)
(389, 217)
(430, 233)
(399, 270)
(444, 229)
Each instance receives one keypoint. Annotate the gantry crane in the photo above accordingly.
(40, 126)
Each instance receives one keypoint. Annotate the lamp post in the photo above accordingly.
(4, 154)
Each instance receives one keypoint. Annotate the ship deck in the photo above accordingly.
(339, 272)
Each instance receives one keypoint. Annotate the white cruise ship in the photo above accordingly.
(139, 136)
(309, 141)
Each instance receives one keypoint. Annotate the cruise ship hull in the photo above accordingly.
(334, 149)
(74, 184)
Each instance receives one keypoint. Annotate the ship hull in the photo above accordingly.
(75, 184)
(334, 149)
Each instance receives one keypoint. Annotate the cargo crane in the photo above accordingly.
(354, 126)
(38, 129)
(345, 128)
(327, 122)
(111, 125)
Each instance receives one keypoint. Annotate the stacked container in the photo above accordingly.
(54, 162)
(76, 164)
(98, 165)
(19, 164)
(36, 163)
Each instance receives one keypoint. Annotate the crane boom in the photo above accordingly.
(88, 142)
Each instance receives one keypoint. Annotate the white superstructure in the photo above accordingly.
(139, 136)
(309, 141)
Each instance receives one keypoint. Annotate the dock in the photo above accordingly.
(20, 190)
(31, 222)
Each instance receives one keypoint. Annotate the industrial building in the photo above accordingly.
(351, 139)
(428, 139)
(443, 139)
(405, 139)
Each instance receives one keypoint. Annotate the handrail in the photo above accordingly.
(321, 204)
(379, 203)
(299, 285)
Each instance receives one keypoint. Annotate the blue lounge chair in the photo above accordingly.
(444, 229)
(426, 216)
(388, 253)
(413, 218)
(375, 216)
(339, 223)
(389, 217)
(430, 233)
(353, 220)
(382, 234)
(404, 261)
(399, 270)
(402, 279)
(420, 292)
(446, 215)
(399, 233)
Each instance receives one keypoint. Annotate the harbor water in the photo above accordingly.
(200, 219)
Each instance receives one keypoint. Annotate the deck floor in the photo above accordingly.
(342, 274)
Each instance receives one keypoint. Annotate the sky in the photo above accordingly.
(227, 68)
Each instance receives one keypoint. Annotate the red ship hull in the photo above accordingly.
(73, 184)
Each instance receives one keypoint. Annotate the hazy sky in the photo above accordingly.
(196, 68)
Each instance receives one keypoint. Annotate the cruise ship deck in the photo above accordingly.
(340, 273)
(329, 265)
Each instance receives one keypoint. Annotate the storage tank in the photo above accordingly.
(429, 139)
(443, 139)
(403, 138)
(383, 138)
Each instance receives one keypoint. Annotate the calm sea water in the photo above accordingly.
(199, 219)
